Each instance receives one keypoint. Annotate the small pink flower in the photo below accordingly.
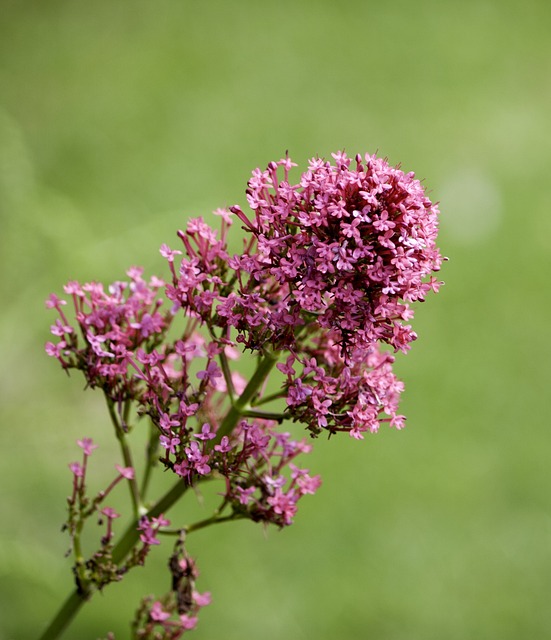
(157, 613)
(126, 472)
(245, 494)
(167, 422)
(169, 444)
(206, 433)
(284, 504)
(53, 302)
(87, 445)
(188, 410)
(212, 371)
(224, 445)
(202, 599)
(356, 432)
(110, 513)
(73, 288)
(168, 253)
(55, 350)
(308, 484)
(225, 214)
(148, 532)
(77, 469)
(188, 622)
(160, 521)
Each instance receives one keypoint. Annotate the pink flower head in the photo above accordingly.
(202, 599)
(157, 613)
(87, 445)
(126, 472)
(77, 469)
(169, 444)
(206, 433)
(188, 622)
(109, 513)
(53, 302)
(351, 243)
(168, 253)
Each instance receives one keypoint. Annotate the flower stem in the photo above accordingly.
(242, 404)
(65, 615)
(201, 524)
(150, 458)
(127, 456)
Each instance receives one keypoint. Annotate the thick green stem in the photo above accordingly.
(127, 457)
(242, 404)
(265, 415)
(65, 616)
(150, 459)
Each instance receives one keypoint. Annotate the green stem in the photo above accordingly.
(266, 399)
(127, 456)
(227, 375)
(150, 458)
(214, 520)
(65, 615)
(264, 415)
(242, 404)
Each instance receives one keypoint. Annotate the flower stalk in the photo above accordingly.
(324, 285)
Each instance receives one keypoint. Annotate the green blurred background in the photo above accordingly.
(118, 120)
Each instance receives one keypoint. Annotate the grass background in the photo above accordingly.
(120, 120)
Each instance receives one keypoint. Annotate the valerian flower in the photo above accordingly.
(347, 247)
(321, 296)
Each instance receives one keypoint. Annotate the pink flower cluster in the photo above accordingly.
(324, 283)
(346, 247)
(113, 324)
(177, 612)
(256, 485)
(149, 529)
(252, 459)
(328, 272)
(325, 393)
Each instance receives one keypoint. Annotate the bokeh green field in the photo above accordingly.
(118, 120)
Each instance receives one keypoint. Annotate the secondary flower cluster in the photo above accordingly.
(169, 617)
(113, 324)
